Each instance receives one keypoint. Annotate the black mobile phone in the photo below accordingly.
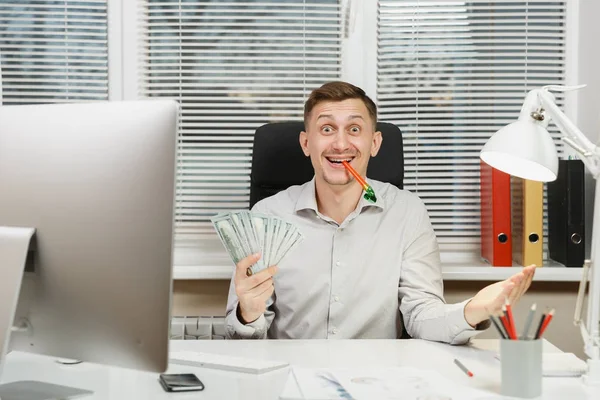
(180, 382)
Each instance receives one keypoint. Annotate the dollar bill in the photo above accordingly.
(230, 229)
(252, 239)
(238, 228)
(287, 242)
(243, 233)
(261, 223)
(270, 238)
(293, 244)
(226, 233)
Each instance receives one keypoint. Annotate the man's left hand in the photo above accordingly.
(489, 300)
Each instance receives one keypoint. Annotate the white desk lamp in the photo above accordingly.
(526, 149)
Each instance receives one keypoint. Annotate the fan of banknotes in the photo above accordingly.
(244, 232)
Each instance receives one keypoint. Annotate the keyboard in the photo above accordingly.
(226, 363)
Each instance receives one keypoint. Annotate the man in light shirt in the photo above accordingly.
(364, 270)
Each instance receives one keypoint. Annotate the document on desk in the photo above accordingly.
(309, 383)
(560, 365)
(376, 383)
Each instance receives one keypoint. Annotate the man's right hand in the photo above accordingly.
(253, 291)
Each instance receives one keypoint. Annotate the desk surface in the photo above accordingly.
(121, 384)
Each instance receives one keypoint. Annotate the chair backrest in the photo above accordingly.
(278, 161)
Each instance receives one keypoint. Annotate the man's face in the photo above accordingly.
(336, 131)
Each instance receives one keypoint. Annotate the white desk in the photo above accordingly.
(120, 384)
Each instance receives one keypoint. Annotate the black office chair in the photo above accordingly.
(278, 161)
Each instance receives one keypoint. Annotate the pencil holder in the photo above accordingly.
(521, 368)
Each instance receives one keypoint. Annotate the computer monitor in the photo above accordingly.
(96, 181)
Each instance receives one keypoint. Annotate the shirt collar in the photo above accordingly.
(308, 198)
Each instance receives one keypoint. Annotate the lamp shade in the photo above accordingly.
(524, 149)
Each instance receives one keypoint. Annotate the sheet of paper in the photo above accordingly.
(562, 364)
(377, 383)
(312, 384)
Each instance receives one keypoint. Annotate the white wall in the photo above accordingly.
(588, 109)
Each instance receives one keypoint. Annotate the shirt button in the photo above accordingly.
(334, 331)
(338, 263)
(336, 298)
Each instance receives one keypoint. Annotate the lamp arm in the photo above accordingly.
(590, 153)
(593, 314)
(581, 295)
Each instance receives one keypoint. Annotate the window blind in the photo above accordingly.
(0, 78)
(233, 66)
(53, 51)
(450, 74)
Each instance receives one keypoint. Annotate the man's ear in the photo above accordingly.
(304, 143)
(376, 145)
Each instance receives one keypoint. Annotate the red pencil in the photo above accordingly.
(507, 327)
(511, 320)
(545, 324)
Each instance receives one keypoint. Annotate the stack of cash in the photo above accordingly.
(244, 233)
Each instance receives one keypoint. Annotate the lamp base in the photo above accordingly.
(592, 378)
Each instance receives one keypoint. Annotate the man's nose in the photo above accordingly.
(340, 141)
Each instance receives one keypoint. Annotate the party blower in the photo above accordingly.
(369, 193)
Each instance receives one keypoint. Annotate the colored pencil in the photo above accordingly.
(539, 328)
(506, 326)
(525, 333)
(511, 319)
(463, 368)
(498, 326)
(545, 323)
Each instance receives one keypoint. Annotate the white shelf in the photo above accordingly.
(205, 272)
(451, 271)
(214, 272)
(553, 272)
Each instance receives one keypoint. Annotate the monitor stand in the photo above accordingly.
(32, 390)
(14, 247)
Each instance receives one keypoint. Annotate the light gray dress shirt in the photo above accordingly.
(356, 279)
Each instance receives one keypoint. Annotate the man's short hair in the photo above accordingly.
(338, 91)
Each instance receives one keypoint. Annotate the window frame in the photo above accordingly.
(209, 260)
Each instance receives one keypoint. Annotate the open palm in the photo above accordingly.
(489, 300)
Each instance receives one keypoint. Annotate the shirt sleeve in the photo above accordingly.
(420, 292)
(234, 328)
